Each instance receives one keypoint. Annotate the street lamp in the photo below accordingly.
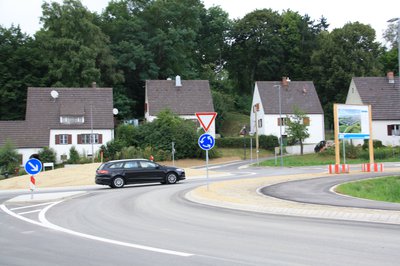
(398, 39)
(280, 122)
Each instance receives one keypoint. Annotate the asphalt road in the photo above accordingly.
(156, 225)
(318, 191)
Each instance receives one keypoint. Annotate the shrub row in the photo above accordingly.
(265, 142)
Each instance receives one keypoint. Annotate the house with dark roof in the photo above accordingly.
(383, 94)
(182, 97)
(60, 118)
(274, 102)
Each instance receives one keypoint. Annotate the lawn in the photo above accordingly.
(382, 189)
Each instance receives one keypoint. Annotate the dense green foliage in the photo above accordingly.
(47, 155)
(265, 142)
(135, 40)
(8, 158)
(156, 138)
(383, 189)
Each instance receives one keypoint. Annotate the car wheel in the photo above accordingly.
(118, 182)
(172, 178)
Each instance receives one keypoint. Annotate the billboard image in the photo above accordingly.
(353, 121)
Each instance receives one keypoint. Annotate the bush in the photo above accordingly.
(9, 159)
(47, 155)
(74, 157)
(268, 142)
(112, 148)
(375, 143)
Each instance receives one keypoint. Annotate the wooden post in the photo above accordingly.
(336, 132)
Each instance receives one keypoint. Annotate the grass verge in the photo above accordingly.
(382, 189)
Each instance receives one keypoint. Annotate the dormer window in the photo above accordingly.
(72, 120)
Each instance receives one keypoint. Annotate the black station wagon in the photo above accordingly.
(118, 173)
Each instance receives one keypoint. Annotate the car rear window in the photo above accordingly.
(116, 165)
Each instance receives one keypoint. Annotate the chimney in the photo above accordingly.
(285, 82)
(390, 77)
(94, 84)
(178, 82)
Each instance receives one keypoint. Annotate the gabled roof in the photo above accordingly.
(300, 94)
(43, 114)
(384, 97)
(193, 96)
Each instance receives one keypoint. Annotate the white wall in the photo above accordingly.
(26, 153)
(260, 113)
(379, 132)
(83, 149)
(316, 129)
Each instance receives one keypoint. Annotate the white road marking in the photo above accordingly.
(22, 213)
(30, 206)
(45, 223)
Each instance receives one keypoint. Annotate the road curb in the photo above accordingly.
(45, 197)
(244, 195)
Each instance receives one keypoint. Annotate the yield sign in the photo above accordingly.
(206, 119)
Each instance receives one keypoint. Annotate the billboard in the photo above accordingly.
(353, 121)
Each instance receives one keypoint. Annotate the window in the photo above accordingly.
(393, 130)
(117, 165)
(64, 139)
(85, 139)
(259, 123)
(131, 165)
(72, 120)
(283, 121)
(145, 164)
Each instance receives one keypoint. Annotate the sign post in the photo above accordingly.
(33, 166)
(206, 142)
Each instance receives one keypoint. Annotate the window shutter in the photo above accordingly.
(279, 121)
(100, 138)
(306, 121)
(389, 129)
(69, 139)
(57, 139)
(79, 139)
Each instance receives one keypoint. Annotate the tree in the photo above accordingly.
(9, 159)
(296, 128)
(347, 52)
(20, 67)
(77, 51)
(47, 155)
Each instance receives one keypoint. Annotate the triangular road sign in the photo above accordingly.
(206, 119)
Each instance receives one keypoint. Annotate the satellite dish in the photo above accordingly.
(54, 94)
(115, 111)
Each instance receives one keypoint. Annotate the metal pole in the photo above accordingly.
(280, 124)
(208, 181)
(344, 152)
(251, 149)
(173, 153)
(91, 131)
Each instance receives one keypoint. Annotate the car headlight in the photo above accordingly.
(180, 170)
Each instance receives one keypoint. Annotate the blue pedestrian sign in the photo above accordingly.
(206, 142)
(33, 166)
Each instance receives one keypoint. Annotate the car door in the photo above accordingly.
(151, 171)
(133, 173)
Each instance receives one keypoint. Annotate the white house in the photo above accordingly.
(268, 115)
(60, 118)
(383, 94)
(183, 97)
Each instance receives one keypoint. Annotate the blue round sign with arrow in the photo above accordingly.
(206, 142)
(33, 166)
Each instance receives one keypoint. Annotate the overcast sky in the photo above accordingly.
(26, 13)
